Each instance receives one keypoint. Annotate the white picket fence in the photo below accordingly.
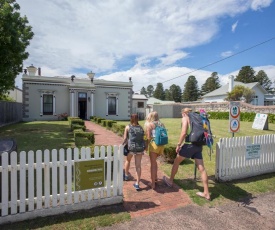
(232, 161)
(41, 183)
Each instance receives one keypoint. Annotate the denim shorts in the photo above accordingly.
(191, 151)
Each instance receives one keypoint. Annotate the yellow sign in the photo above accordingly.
(89, 174)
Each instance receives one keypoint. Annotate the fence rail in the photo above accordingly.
(232, 161)
(42, 183)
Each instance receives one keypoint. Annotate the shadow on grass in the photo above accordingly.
(95, 217)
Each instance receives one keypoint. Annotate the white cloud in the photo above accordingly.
(234, 26)
(259, 4)
(74, 37)
(226, 54)
(96, 34)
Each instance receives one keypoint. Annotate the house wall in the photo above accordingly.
(32, 101)
(260, 95)
(140, 111)
(16, 94)
(124, 102)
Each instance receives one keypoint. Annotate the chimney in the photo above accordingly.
(32, 70)
(231, 83)
(39, 71)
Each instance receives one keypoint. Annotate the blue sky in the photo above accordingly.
(150, 41)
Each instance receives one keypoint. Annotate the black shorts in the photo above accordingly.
(191, 151)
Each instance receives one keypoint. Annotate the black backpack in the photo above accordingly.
(136, 141)
(200, 131)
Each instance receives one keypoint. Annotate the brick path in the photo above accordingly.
(146, 201)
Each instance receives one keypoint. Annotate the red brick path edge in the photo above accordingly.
(146, 201)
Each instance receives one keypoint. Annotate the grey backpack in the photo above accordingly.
(136, 141)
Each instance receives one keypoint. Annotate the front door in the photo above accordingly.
(82, 105)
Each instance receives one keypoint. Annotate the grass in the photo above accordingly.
(39, 135)
(56, 134)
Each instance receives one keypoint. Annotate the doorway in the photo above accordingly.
(82, 105)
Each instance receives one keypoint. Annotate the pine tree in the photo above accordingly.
(159, 92)
(175, 92)
(211, 84)
(150, 90)
(143, 91)
(246, 75)
(168, 96)
(191, 90)
(264, 80)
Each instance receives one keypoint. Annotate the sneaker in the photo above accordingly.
(126, 177)
(136, 186)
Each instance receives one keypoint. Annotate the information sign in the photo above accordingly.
(89, 174)
(260, 122)
(252, 152)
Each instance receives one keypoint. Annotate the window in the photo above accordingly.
(112, 106)
(47, 104)
(140, 104)
(255, 100)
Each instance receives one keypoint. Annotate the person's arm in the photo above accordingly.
(149, 129)
(125, 136)
(183, 133)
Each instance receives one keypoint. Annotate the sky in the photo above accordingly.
(150, 41)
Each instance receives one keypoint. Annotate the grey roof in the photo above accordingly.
(153, 100)
(224, 89)
(139, 97)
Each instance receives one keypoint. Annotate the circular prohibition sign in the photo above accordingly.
(237, 108)
(234, 125)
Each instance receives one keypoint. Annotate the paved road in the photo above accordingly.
(257, 213)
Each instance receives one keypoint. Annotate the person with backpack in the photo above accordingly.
(134, 137)
(155, 147)
(188, 150)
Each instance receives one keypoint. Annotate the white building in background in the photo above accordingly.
(44, 97)
(220, 94)
(16, 94)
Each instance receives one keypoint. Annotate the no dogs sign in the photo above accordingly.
(234, 117)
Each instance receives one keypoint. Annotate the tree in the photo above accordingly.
(211, 84)
(246, 75)
(150, 90)
(15, 36)
(168, 96)
(159, 92)
(264, 81)
(191, 90)
(240, 92)
(175, 92)
(143, 91)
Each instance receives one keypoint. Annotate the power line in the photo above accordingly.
(242, 51)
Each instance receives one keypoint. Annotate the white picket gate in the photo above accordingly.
(41, 183)
(231, 160)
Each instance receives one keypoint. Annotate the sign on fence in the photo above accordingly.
(260, 122)
(89, 174)
(252, 152)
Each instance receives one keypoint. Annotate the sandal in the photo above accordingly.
(201, 194)
(165, 180)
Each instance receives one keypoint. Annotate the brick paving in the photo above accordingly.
(147, 201)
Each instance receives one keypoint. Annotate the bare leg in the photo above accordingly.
(138, 166)
(153, 159)
(204, 177)
(175, 168)
(127, 164)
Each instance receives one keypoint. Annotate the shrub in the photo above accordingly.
(169, 153)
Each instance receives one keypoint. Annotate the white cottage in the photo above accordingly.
(220, 94)
(45, 98)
